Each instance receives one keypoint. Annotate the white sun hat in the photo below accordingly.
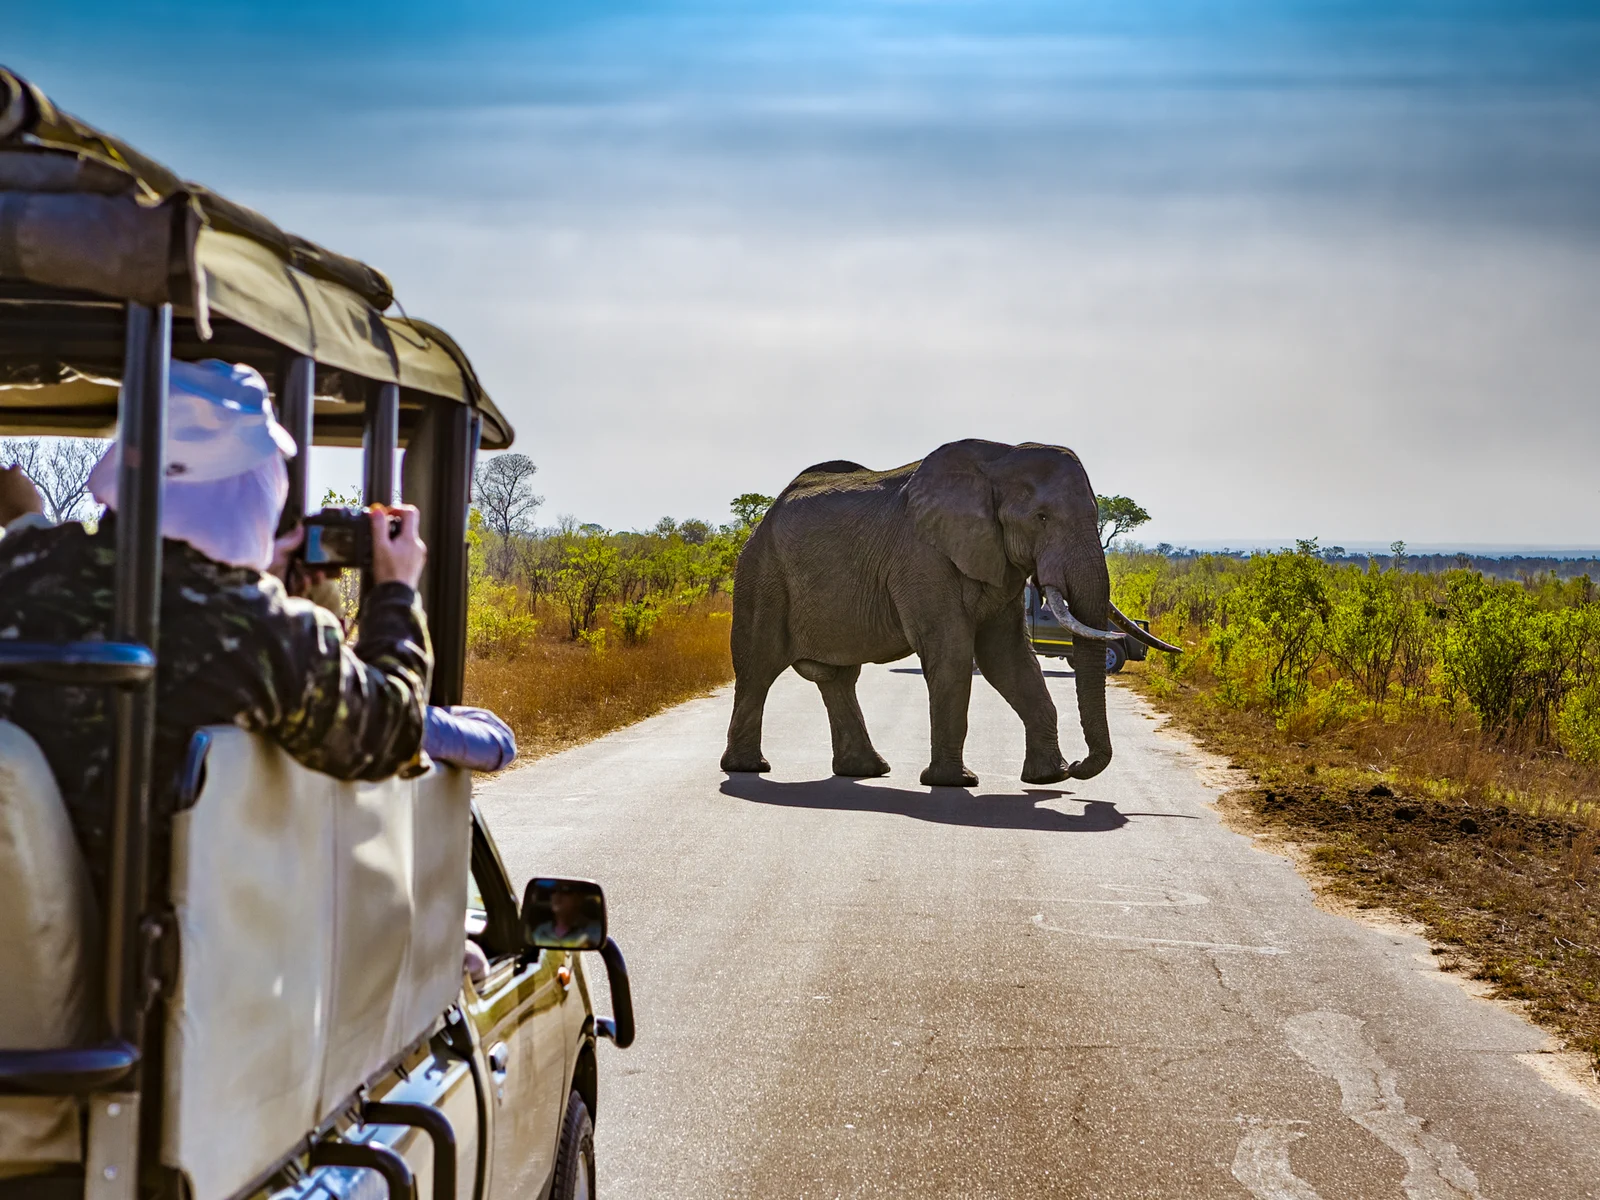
(226, 479)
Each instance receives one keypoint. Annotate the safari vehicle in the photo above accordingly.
(269, 999)
(1051, 641)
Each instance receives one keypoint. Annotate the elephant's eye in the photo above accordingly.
(1041, 515)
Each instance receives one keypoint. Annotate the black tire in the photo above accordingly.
(575, 1156)
(1116, 656)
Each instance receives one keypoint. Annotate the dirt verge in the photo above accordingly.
(1509, 898)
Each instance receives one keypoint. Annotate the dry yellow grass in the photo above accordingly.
(555, 693)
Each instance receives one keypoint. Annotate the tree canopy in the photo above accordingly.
(749, 508)
(1118, 515)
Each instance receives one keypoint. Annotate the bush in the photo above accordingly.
(1270, 631)
(1379, 634)
(587, 575)
(1318, 644)
(635, 620)
(499, 621)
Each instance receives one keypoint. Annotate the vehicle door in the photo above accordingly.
(518, 1015)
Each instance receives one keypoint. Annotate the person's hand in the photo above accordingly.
(18, 496)
(283, 549)
(400, 558)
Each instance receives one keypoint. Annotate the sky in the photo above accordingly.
(1275, 269)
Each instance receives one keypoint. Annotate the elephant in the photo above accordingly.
(853, 566)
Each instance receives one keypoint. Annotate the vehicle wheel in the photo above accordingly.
(1116, 655)
(575, 1155)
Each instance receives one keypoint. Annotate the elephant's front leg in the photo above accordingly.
(947, 666)
(1010, 665)
(853, 753)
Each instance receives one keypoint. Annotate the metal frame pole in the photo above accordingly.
(454, 455)
(136, 609)
(297, 378)
(111, 1157)
(380, 440)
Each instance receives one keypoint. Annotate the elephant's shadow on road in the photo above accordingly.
(943, 806)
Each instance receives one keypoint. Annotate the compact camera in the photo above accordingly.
(340, 537)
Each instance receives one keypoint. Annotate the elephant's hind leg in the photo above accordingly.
(760, 654)
(853, 754)
(744, 730)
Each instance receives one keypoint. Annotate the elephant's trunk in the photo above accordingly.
(1089, 669)
(1089, 587)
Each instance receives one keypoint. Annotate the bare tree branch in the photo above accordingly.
(59, 468)
(503, 493)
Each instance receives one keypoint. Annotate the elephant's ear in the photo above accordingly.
(951, 501)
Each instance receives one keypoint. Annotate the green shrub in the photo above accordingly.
(1379, 634)
(635, 620)
(1578, 723)
(499, 621)
(1489, 643)
(587, 577)
(1270, 630)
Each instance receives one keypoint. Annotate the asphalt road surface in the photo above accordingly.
(1087, 990)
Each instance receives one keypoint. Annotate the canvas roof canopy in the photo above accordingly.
(87, 222)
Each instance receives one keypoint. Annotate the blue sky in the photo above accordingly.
(1274, 269)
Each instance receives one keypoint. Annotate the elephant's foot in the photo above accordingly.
(736, 763)
(867, 764)
(948, 775)
(1044, 767)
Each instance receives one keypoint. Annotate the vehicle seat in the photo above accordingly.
(49, 948)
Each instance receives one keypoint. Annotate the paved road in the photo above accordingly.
(1091, 990)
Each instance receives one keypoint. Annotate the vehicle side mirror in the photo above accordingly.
(564, 914)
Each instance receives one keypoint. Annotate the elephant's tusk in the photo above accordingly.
(1058, 607)
(1136, 631)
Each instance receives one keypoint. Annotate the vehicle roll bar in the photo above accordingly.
(432, 1122)
(296, 387)
(71, 1071)
(397, 1176)
(77, 664)
(380, 436)
(136, 606)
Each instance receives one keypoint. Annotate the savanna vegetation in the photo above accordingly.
(1431, 735)
(574, 630)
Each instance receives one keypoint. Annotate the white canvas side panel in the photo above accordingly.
(322, 931)
(372, 934)
(440, 866)
(253, 886)
(404, 849)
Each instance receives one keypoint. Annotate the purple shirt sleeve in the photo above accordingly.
(469, 737)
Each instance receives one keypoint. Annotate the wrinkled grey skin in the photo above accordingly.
(853, 566)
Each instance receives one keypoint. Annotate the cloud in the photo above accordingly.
(1298, 270)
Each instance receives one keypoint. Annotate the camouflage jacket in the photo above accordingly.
(234, 648)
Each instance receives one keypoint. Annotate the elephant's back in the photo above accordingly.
(834, 466)
(840, 478)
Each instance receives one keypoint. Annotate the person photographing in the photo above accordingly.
(234, 645)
